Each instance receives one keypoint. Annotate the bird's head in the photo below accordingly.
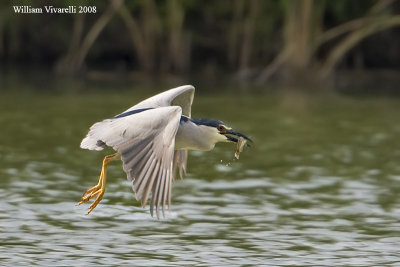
(220, 131)
(230, 134)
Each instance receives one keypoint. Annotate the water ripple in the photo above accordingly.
(306, 195)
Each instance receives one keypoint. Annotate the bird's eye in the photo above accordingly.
(221, 128)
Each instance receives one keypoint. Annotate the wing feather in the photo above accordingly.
(143, 173)
(140, 184)
(140, 166)
(146, 142)
(155, 194)
(149, 186)
(160, 191)
(134, 162)
(169, 192)
(180, 96)
(180, 162)
(166, 190)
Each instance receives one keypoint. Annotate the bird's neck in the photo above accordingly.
(192, 136)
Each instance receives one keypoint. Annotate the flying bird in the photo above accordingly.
(152, 139)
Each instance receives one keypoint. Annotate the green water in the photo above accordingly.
(320, 186)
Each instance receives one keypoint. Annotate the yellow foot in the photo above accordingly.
(100, 188)
(95, 190)
(89, 194)
(100, 194)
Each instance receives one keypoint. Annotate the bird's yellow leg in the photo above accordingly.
(100, 187)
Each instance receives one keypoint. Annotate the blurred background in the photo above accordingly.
(315, 84)
(347, 45)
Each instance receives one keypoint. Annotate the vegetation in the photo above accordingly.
(257, 41)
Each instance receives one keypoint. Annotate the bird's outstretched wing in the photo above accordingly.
(146, 142)
(180, 96)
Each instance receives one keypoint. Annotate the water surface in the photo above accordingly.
(319, 187)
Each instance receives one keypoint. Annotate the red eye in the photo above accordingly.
(221, 128)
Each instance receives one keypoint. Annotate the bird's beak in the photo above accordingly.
(233, 135)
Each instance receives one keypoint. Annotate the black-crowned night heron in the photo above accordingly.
(152, 139)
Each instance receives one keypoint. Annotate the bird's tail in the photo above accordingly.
(93, 140)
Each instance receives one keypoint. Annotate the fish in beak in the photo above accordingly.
(240, 139)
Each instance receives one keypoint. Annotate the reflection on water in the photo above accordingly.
(319, 187)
